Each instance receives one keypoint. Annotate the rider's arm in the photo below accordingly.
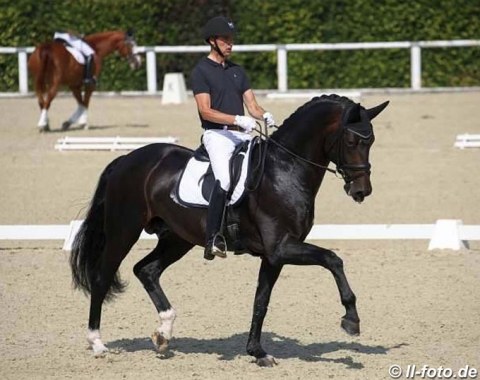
(254, 109)
(208, 113)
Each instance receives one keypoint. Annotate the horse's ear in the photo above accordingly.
(373, 112)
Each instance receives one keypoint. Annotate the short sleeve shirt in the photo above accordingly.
(225, 84)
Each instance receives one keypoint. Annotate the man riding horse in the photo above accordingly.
(74, 40)
(221, 88)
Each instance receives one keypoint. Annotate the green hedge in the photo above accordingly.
(162, 22)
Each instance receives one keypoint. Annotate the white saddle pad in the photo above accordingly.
(190, 187)
(79, 57)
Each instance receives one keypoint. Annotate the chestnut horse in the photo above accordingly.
(135, 193)
(52, 66)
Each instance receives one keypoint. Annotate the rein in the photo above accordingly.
(268, 139)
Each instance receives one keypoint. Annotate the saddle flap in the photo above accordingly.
(196, 181)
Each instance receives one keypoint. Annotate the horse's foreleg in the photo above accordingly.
(168, 250)
(267, 277)
(298, 253)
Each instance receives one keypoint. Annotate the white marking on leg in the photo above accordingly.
(77, 115)
(43, 121)
(166, 323)
(93, 338)
(83, 119)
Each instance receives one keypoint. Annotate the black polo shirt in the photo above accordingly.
(226, 85)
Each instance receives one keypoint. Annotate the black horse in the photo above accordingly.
(134, 194)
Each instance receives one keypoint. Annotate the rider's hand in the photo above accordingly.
(245, 122)
(268, 119)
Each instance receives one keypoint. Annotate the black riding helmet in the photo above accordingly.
(218, 26)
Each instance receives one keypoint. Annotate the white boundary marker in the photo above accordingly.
(174, 89)
(467, 141)
(109, 143)
(444, 234)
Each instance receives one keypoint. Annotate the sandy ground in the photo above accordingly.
(418, 307)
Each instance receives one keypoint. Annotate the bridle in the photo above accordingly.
(342, 168)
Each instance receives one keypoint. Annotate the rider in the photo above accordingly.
(221, 88)
(76, 41)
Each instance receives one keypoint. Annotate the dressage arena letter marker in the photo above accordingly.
(174, 89)
(446, 235)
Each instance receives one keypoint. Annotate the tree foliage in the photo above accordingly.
(168, 22)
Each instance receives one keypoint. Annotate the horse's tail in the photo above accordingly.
(89, 242)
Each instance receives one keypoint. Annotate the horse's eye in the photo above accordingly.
(351, 143)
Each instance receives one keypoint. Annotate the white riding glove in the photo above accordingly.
(268, 119)
(245, 122)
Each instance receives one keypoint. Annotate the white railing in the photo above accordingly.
(281, 52)
(444, 234)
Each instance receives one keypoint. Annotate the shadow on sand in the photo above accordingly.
(278, 346)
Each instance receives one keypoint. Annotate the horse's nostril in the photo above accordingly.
(358, 196)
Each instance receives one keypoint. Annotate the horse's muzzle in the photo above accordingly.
(359, 189)
(135, 61)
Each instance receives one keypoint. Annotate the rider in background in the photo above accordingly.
(75, 40)
(221, 88)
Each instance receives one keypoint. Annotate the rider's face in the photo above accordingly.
(225, 44)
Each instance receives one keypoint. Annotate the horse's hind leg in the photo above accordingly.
(298, 253)
(80, 115)
(169, 249)
(44, 102)
(113, 254)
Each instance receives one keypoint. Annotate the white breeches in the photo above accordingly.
(220, 144)
(76, 42)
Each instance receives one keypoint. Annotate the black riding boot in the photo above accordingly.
(88, 78)
(215, 245)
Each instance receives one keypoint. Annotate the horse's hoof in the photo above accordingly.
(66, 125)
(83, 126)
(266, 361)
(44, 128)
(100, 352)
(160, 342)
(350, 327)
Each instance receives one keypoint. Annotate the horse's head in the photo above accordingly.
(127, 49)
(351, 147)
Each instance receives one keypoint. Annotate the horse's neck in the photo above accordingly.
(306, 137)
(291, 172)
(103, 44)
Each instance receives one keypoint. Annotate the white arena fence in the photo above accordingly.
(109, 143)
(444, 234)
(281, 51)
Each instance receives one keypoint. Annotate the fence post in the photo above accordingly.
(22, 71)
(282, 69)
(416, 67)
(151, 71)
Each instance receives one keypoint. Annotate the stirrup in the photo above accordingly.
(89, 81)
(216, 247)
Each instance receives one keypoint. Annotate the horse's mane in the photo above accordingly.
(102, 35)
(343, 101)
